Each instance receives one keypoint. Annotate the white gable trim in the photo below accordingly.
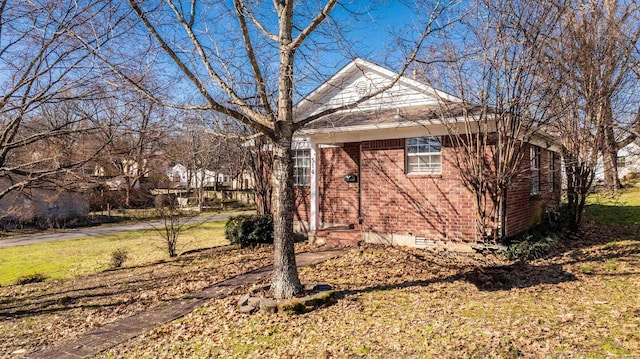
(315, 99)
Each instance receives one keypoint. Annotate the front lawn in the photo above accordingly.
(40, 315)
(77, 257)
(405, 303)
(622, 209)
(582, 301)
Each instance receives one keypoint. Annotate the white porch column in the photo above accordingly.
(313, 213)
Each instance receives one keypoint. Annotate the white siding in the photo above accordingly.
(346, 92)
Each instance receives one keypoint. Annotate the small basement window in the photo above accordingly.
(424, 155)
(301, 167)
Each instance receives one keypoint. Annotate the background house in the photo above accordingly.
(628, 162)
(629, 159)
(385, 169)
(47, 206)
(180, 175)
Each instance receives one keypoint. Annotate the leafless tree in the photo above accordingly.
(137, 143)
(594, 53)
(500, 101)
(174, 221)
(243, 61)
(210, 149)
(45, 74)
(260, 160)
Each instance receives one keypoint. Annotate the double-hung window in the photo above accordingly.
(534, 157)
(301, 167)
(424, 155)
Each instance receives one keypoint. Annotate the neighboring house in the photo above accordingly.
(385, 169)
(206, 178)
(117, 176)
(629, 159)
(42, 204)
(628, 162)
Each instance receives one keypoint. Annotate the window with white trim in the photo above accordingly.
(534, 158)
(301, 167)
(552, 170)
(424, 155)
(621, 161)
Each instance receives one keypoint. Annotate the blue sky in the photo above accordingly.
(367, 29)
(373, 35)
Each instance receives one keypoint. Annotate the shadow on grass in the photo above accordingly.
(613, 215)
(486, 278)
(115, 291)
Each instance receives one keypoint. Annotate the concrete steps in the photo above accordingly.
(339, 236)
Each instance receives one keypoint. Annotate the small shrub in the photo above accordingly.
(530, 246)
(34, 278)
(249, 231)
(118, 257)
(541, 239)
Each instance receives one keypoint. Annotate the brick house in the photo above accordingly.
(383, 172)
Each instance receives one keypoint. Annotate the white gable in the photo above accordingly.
(361, 78)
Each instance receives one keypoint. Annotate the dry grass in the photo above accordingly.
(404, 303)
(584, 301)
(40, 315)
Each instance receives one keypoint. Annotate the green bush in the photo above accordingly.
(540, 240)
(247, 231)
(532, 246)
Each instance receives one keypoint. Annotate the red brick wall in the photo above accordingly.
(303, 204)
(339, 198)
(523, 209)
(431, 206)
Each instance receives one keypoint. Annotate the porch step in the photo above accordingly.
(339, 237)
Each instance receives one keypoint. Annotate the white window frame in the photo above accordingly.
(428, 154)
(534, 161)
(301, 167)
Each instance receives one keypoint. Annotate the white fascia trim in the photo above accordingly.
(382, 126)
(327, 85)
(372, 134)
(546, 141)
(439, 95)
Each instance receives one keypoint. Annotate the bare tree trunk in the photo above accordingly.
(285, 282)
(609, 161)
(127, 196)
(610, 150)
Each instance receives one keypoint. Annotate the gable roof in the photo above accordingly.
(360, 78)
(408, 109)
